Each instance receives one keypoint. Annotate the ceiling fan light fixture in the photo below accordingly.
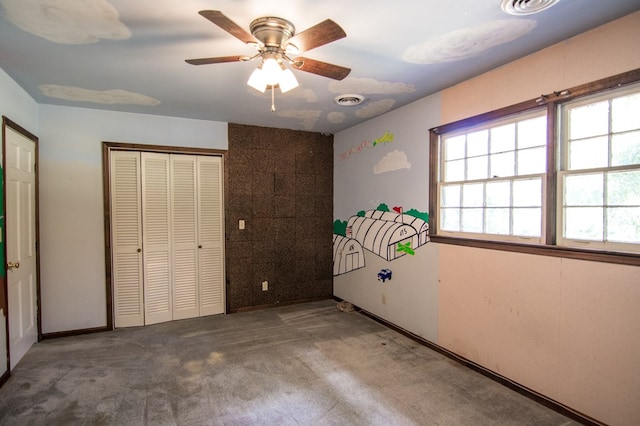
(271, 71)
(257, 80)
(288, 81)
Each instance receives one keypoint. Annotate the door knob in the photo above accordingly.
(13, 265)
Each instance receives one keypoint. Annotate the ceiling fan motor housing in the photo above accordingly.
(272, 32)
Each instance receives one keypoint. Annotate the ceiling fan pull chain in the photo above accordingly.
(273, 99)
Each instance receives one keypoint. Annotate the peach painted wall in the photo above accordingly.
(605, 51)
(565, 328)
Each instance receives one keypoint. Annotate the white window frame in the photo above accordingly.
(487, 125)
(564, 172)
(552, 245)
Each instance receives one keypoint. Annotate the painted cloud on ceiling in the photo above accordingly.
(395, 160)
(336, 117)
(375, 108)
(369, 86)
(467, 42)
(308, 118)
(67, 22)
(115, 96)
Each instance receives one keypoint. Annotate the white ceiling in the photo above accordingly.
(130, 56)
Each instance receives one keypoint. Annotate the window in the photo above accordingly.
(493, 179)
(559, 174)
(599, 177)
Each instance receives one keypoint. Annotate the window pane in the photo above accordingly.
(532, 161)
(624, 113)
(503, 138)
(478, 143)
(454, 148)
(583, 223)
(584, 190)
(623, 224)
(477, 192)
(473, 195)
(450, 219)
(498, 194)
(472, 220)
(588, 153)
(589, 120)
(503, 165)
(497, 221)
(477, 168)
(625, 148)
(532, 132)
(527, 193)
(450, 196)
(623, 188)
(527, 222)
(454, 171)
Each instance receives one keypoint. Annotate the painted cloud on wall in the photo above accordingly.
(67, 22)
(115, 96)
(467, 42)
(395, 160)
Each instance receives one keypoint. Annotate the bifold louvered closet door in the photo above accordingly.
(167, 234)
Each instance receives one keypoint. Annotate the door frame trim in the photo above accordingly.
(8, 123)
(107, 147)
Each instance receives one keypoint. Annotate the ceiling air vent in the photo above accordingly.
(349, 100)
(526, 7)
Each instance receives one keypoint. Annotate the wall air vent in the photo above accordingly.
(526, 7)
(349, 100)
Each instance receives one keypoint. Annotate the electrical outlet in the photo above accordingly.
(241, 224)
(384, 299)
(265, 285)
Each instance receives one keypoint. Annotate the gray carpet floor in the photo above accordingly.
(306, 364)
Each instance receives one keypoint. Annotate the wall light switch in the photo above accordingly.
(265, 285)
(241, 224)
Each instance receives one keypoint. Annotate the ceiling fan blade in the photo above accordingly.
(218, 60)
(318, 35)
(228, 25)
(324, 69)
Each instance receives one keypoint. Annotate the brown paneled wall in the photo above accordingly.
(280, 182)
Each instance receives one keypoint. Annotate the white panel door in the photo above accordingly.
(21, 243)
(184, 236)
(211, 235)
(156, 237)
(126, 237)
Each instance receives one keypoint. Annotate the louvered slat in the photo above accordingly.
(126, 238)
(184, 244)
(156, 228)
(211, 264)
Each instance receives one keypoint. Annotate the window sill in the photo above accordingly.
(543, 250)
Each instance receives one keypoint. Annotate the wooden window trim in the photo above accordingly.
(552, 102)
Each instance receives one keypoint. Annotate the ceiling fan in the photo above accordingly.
(276, 41)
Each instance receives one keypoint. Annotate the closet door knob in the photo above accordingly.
(139, 250)
(200, 246)
(13, 265)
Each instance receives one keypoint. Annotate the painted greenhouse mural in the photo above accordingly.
(389, 234)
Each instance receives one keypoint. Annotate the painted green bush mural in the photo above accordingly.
(340, 227)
